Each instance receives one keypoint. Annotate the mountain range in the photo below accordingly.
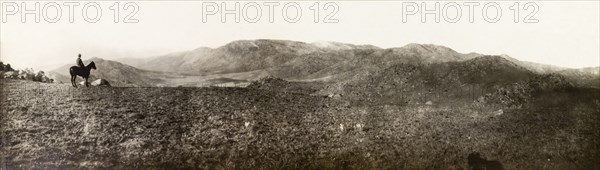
(330, 62)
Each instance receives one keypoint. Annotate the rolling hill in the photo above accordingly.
(291, 59)
(117, 73)
(237, 56)
(406, 83)
(331, 62)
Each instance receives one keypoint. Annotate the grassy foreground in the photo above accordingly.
(48, 126)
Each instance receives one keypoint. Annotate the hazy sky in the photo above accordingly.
(566, 34)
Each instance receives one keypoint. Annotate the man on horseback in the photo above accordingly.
(79, 62)
(81, 70)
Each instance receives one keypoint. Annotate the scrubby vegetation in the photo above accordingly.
(6, 67)
(271, 83)
(7, 72)
(55, 126)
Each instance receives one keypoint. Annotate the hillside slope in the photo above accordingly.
(117, 73)
(459, 82)
(328, 61)
(237, 56)
(292, 59)
(54, 126)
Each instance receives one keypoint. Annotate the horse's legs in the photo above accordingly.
(73, 81)
(86, 82)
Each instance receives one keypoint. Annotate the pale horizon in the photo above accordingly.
(567, 34)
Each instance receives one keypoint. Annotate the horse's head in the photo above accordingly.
(92, 65)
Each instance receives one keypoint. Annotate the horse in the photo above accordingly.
(81, 71)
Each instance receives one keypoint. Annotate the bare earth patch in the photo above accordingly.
(48, 126)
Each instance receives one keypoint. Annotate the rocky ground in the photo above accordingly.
(50, 126)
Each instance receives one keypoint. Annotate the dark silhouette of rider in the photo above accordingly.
(79, 62)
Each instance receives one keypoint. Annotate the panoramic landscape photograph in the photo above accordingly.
(299, 85)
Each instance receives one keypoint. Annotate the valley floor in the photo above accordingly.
(48, 126)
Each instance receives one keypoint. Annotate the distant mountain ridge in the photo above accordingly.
(320, 61)
(274, 55)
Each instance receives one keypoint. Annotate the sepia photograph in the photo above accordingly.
(242, 84)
